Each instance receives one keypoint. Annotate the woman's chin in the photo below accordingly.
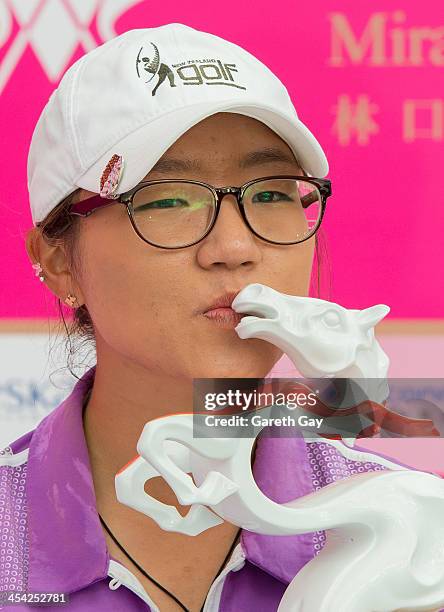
(239, 366)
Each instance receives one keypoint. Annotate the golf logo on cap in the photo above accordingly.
(186, 72)
(152, 64)
(111, 176)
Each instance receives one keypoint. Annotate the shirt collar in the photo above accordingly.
(67, 546)
(68, 549)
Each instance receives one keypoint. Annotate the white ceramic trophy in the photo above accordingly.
(385, 531)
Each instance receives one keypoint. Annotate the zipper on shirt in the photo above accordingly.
(122, 575)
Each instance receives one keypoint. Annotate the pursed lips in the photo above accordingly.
(223, 302)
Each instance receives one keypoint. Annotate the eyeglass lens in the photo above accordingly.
(176, 214)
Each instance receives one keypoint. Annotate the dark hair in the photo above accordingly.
(59, 227)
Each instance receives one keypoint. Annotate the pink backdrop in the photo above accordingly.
(366, 77)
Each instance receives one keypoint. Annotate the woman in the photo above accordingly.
(146, 275)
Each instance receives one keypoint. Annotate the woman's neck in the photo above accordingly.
(117, 407)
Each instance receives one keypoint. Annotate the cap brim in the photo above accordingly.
(140, 155)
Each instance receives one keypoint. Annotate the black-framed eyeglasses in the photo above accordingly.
(173, 214)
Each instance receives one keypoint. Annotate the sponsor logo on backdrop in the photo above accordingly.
(53, 29)
(385, 40)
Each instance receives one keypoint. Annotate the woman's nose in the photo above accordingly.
(230, 241)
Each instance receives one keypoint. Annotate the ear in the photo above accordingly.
(54, 263)
(368, 317)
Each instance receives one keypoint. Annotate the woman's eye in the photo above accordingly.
(271, 196)
(167, 203)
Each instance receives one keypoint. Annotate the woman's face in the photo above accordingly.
(147, 303)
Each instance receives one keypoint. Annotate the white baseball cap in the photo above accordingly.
(136, 94)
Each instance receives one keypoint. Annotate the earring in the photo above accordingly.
(38, 270)
(70, 300)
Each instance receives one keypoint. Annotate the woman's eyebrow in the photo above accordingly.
(266, 155)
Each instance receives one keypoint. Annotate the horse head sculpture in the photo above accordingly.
(320, 337)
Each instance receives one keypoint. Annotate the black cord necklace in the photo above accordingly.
(155, 581)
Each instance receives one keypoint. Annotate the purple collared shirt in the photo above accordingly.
(51, 539)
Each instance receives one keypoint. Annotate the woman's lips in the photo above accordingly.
(225, 317)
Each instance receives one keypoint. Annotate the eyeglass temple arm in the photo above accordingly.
(313, 196)
(309, 199)
(86, 206)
